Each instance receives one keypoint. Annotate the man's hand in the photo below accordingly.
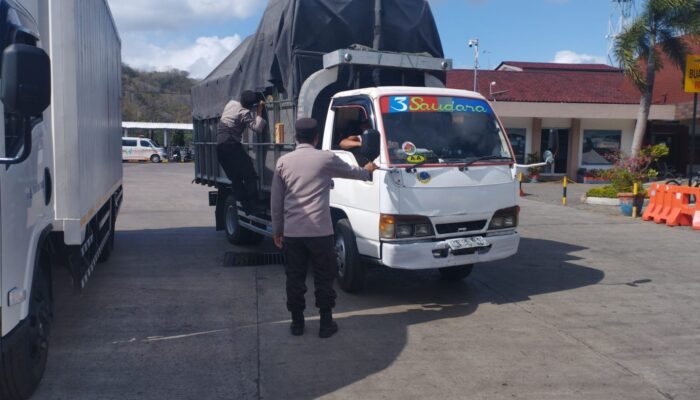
(371, 167)
(260, 109)
(278, 239)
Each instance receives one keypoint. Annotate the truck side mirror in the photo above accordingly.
(371, 140)
(26, 80)
(548, 157)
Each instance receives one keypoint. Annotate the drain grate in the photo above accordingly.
(249, 259)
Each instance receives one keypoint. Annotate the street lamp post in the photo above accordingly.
(474, 43)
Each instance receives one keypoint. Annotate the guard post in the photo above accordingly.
(635, 192)
(563, 198)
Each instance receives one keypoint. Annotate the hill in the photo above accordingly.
(156, 96)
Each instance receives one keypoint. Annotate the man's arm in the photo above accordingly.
(351, 142)
(340, 169)
(277, 205)
(256, 123)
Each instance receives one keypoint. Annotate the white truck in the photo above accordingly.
(446, 194)
(61, 172)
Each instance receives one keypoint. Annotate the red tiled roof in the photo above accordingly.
(550, 86)
(573, 83)
(532, 66)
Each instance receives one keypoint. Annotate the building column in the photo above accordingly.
(536, 136)
(574, 150)
(165, 138)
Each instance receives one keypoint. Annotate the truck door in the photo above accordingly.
(360, 200)
(24, 200)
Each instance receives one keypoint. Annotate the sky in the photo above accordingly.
(196, 35)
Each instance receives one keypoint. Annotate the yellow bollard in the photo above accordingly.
(563, 198)
(635, 192)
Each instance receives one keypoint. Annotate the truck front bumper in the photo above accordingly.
(420, 255)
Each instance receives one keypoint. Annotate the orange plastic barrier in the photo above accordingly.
(673, 205)
(656, 202)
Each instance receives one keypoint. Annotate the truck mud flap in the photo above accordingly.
(83, 259)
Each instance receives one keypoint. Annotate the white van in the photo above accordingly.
(141, 149)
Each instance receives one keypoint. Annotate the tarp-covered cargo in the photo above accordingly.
(293, 36)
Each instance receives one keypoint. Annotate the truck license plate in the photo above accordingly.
(467, 243)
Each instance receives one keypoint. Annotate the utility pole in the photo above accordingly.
(474, 43)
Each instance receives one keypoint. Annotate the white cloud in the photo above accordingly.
(198, 58)
(170, 15)
(570, 57)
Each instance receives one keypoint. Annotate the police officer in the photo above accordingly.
(236, 117)
(302, 225)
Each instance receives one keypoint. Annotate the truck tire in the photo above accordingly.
(155, 158)
(456, 273)
(235, 233)
(350, 268)
(24, 363)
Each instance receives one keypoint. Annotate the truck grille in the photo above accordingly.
(460, 227)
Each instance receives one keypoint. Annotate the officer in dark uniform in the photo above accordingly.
(302, 225)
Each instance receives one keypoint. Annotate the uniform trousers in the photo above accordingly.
(319, 253)
(239, 169)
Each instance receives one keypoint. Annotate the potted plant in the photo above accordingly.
(533, 173)
(627, 171)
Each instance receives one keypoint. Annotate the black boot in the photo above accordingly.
(297, 326)
(328, 326)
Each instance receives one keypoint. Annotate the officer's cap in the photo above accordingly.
(306, 129)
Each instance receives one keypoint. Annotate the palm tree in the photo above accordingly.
(659, 27)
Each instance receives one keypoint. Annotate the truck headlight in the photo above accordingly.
(404, 226)
(505, 218)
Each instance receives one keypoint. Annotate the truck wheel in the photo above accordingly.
(23, 364)
(351, 270)
(155, 158)
(456, 273)
(235, 233)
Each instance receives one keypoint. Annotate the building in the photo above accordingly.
(592, 109)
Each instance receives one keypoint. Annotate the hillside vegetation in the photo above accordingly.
(156, 96)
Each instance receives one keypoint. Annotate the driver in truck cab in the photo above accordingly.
(302, 224)
(236, 117)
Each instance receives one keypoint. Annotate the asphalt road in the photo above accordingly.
(592, 307)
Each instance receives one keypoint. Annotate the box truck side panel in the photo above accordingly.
(86, 50)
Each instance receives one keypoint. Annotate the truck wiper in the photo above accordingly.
(485, 158)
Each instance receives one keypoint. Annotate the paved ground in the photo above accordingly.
(591, 308)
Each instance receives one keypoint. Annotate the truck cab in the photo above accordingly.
(445, 196)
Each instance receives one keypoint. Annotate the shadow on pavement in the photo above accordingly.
(375, 324)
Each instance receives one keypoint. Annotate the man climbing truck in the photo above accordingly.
(60, 166)
(445, 196)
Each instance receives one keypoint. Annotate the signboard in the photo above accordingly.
(692, 74)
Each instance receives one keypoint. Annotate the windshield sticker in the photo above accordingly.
(409, 148)
(416, 159)
(402, 104)
(424, 177)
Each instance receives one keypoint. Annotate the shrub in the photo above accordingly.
(607, 191)
(630, 170)
(533, 158)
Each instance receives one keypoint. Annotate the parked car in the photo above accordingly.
(142, 149)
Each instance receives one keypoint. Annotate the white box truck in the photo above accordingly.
(61, 172)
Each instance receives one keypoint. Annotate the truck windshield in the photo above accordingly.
(441, 130)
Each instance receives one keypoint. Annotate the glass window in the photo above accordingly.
(439, 130)
(129, 142)
(145, 143)
(599, 145)
(517, 137)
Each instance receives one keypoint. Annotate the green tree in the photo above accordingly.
(658, 28)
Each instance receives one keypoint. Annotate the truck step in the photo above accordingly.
(252, 259)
